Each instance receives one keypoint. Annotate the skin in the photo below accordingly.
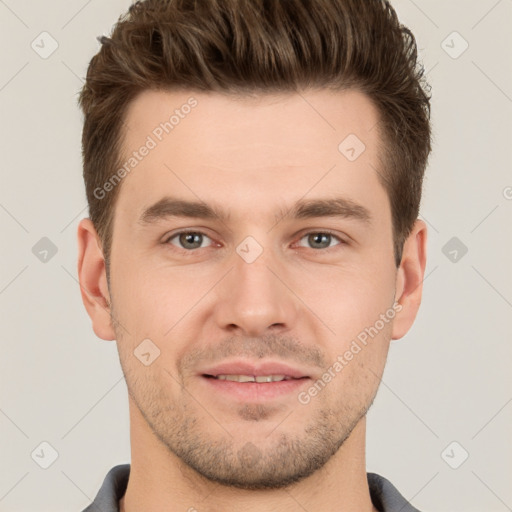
(299, 303)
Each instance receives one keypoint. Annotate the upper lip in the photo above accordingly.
(255, 369)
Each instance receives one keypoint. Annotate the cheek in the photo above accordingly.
(153, 297)
(358, 364)
(349, 299)
(358, 303)
(158, 305)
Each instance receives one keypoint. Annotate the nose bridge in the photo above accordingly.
(253, 298)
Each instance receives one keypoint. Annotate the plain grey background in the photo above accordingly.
(446, 392)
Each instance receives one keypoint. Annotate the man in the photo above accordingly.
(254, 174)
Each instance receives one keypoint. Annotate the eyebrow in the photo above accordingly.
(302, 209)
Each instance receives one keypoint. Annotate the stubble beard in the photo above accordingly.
(197, 438)
(200, 441)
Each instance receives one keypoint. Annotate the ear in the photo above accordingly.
(409, 279)
(92, 276)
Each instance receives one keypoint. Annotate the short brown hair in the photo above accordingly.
(261, 46)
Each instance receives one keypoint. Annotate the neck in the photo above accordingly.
(160, 481)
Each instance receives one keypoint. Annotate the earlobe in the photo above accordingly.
(409, 280)
(93, 280)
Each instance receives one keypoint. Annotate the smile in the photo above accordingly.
(252, 378)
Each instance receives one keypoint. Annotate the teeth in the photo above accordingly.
(252, 378)
(269, 378)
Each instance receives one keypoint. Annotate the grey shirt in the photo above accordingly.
(385, 496)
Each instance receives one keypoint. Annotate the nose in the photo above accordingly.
(254, 299)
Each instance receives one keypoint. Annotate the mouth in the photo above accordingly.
(253, 378)
(262, 382)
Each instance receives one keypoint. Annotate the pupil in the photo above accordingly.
(188, 238)
(317, 238)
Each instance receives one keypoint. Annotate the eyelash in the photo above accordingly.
(192, 251)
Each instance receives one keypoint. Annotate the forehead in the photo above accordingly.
(262, 150)
(215, 124)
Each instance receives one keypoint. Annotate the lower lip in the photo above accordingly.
(256, 391)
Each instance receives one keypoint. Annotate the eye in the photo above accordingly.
(321, 239)
(188, 240)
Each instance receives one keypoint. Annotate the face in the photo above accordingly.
(282, 268)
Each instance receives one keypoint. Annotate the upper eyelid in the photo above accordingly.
(185, 231)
